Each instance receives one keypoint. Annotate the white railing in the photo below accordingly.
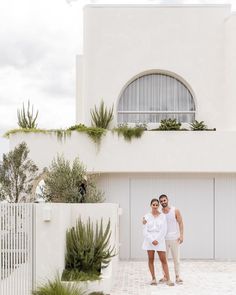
(16, 249)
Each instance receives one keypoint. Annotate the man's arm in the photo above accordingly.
(181, 225)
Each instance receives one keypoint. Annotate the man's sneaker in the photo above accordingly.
(179, 281)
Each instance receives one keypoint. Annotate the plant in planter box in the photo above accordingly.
(169, 124)
(130, 132)
(196, 125)
(101, 117)
(87, 251)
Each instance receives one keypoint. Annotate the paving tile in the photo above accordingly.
(200, 278)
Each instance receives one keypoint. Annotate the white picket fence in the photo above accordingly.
(16, 249)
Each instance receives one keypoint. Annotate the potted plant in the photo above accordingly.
(88, 254)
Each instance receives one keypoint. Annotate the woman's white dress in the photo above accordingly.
(154, 229)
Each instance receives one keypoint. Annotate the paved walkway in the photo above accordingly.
(200, 278)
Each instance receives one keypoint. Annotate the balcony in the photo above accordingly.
(155, 151)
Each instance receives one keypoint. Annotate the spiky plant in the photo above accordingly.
(101, 117)
(87, 250)
(56, 287)
(169, 124)
(27, 119)
(196, 125)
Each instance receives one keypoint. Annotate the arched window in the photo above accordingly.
(153, 97)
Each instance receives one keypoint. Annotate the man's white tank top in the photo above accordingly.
(172, 225)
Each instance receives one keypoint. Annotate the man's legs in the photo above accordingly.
(175, 253)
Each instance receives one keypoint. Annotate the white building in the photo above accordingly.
(152, 62)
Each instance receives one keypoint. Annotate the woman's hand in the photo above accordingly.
(155, 243)
(144, 220)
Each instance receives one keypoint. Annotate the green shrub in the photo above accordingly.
(27, 119)
(169, 124)
(94, 133)
(196, 125)
(101, 117)
(17, 174)
(70, 183)
(129, 132)
(87, 250)
(56, 287)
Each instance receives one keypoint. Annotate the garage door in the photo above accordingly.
(193, 195)
(194, 198)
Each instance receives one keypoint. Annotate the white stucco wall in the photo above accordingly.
(50, 236)
(155, 151)
(230, 69)
(120, 42)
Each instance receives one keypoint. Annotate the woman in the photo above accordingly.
(154, 230)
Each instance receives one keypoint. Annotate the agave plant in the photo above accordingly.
(87, 251)
(196, 125)
(56, 287)
(169, 124)
(27, 119)
(101, 117)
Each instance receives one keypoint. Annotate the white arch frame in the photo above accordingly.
(163, 72)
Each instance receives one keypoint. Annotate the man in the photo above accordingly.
(174, 236)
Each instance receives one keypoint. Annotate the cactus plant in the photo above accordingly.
(27, 119)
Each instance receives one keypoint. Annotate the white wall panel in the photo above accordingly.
(116, 189)
(193, 195)
(225, 217)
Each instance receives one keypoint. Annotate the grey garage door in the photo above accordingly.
(194, 198)
(193, 195)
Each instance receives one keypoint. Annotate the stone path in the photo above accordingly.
(200, 278)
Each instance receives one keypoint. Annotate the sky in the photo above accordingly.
(39, 41)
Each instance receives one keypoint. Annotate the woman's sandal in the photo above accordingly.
(153, 282)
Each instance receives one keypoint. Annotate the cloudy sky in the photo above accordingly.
(39, 40)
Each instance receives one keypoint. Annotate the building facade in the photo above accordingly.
(151, 63)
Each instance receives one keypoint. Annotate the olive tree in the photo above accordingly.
(17, 173)
(70, 183)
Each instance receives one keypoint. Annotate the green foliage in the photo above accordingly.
(196, 125)
(87, 249)
(129, 132)
(169, 124)
(101, 117)
(60, 133)
(67, 184)
(77, 275)
(56, 287)
(17, 173)
(95, 133)
(27, 119)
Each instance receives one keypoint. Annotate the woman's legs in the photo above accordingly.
(163, 259)
(151, 255)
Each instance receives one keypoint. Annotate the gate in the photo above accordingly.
(16, 249)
